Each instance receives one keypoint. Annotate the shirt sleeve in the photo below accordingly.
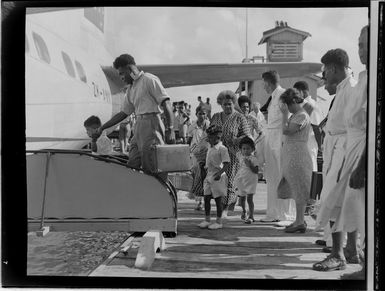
(190, 130)
(301, 120)
(254, 161)
(128, 107)
(257, 126)
(104, 145)
(224, 155)
(157, 90)
(244, 128)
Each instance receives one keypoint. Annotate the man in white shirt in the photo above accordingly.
(144, 97)
(336, 71)
(278, 210)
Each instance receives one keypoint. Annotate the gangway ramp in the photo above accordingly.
(76, 190)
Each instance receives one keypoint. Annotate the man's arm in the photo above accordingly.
(218, 174)
(94, 146)
(118, 117)
(317, 135)
(167, 108)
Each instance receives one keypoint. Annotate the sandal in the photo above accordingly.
(320, 242)
(353, 259)
(243, 216)
(330, 264)
(250, 220)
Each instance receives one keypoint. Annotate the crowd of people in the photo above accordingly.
(230, 147)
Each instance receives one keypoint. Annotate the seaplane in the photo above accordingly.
(68, 77)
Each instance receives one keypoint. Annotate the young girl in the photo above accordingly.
(246, 179)
(198, 148)
(215, 184)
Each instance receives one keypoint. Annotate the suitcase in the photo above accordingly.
(173, 158)
(316, 185)
(181, 181)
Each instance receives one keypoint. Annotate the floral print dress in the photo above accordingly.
(233, 127)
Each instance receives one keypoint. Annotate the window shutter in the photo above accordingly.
(285, 51)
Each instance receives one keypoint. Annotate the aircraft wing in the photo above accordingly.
(201, 74)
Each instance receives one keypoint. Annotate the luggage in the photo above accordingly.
(316, 185)
(173, 158)
(181, 181)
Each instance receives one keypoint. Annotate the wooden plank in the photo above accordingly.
(107, 261)
(43, 231)
(129, 225)
(151, 242)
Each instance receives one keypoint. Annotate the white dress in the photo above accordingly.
(246, 181)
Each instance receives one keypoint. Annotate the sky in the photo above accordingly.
(182, 35)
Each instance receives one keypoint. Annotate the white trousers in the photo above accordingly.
(282, 209)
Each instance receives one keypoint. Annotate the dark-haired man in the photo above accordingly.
(336, 71)
(278, 210)
(144, 96)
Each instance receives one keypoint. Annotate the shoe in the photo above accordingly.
(330, 264)
(215, 226)
(300, 228)
(249, 220)
(327, 249)
(269, 220)
(284, 223)
(204, 224)
(243, 215)
(353, 259)
(320, 242)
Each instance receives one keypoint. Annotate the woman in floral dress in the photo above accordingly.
(234, 127)
(296, 161)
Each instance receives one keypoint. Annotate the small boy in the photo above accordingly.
(101, 145)
(246, 180)
(215, 183)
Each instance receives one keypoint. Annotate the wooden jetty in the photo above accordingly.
(238, 251)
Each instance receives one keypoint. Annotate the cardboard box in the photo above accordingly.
(173, 158)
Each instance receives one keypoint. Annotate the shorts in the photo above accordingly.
(215, 188)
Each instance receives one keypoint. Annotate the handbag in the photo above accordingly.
(283, 189)
(316, 185)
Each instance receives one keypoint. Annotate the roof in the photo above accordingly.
(279, 29)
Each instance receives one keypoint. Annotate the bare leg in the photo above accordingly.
(207, 206)
(242, 202)
(351, 243)
(250, 202)
(300, 213)
(218, 202)
(337, 247)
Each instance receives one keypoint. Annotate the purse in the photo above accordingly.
(283, 189)
(316, 185)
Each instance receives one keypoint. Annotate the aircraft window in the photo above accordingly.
(26, 45)
(41, 48)
(68, 64)
(81, 72)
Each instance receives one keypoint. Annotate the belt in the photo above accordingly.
(336, 133)
(144, 115)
